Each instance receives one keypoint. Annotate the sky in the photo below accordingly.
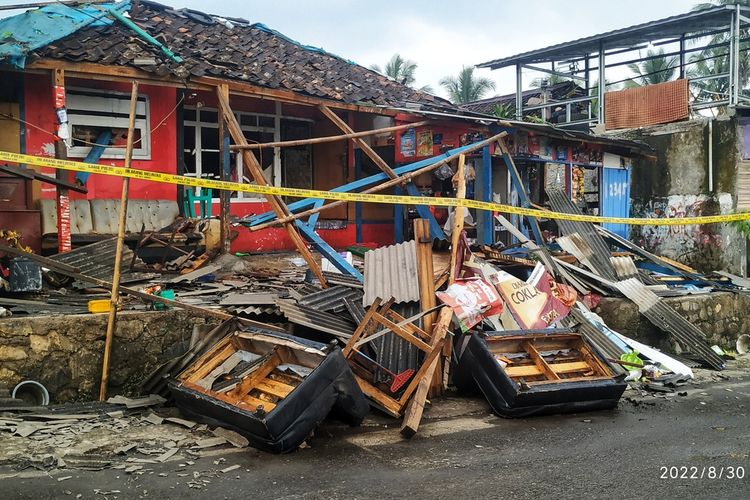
(439, 36)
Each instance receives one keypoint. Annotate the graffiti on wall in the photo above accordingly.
(689, 244)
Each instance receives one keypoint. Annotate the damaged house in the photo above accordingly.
(480, 268)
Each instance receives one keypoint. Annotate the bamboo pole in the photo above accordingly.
(385, 185)
(329, 138)
(115, 296)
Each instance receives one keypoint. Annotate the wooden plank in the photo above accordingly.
(458, 220)
(255, 403)
(539, 361)
(330, 138)
(213, 359)
(274, 388)
(362, 328)
(416, 342)
(425, 271)
(388, 404)
(366, 149)
(256, 171)
(534, 370)
(415, 408)
(249, 382)
(565, 380)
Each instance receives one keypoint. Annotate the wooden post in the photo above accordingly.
(224, 196)
(256, 171)
(115, 296)
(415, 408)
(458, 219)
(64, 243)
(426, 271)
(427, 298)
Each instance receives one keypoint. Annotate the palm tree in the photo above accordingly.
(398, 69)
(466, 87)
(658, 68)
(401, 70)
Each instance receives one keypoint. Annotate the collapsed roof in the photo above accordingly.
(231, 49)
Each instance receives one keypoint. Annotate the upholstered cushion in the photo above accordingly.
(102, 216)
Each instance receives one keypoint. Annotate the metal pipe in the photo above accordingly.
(519, 93)
(710, 156)
(602, 81)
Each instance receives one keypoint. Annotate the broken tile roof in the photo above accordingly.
(232, 49)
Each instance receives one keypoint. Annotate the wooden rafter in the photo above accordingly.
(256, 171)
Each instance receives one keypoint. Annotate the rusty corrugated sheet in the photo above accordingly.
(392, 272)
(649, 105)
(97, 260)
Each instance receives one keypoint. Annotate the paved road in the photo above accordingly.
(463, 451)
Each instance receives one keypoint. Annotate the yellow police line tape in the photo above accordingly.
(146, 175)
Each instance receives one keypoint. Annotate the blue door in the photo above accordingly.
(615, 197)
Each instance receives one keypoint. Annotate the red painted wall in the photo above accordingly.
(39, 109)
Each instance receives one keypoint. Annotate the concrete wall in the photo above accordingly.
(721, 316)
(65, 352)
(676, 184)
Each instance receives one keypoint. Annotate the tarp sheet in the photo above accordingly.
(37, 28)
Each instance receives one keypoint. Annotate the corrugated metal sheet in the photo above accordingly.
(624, 267)
(392, 351)
(598, 248)
(392, 272)
(598, 339)
(317, 320)
(331, 299)
(356, 309)
(97, 260)
(341, 279)
(249, 299)
(664, 317)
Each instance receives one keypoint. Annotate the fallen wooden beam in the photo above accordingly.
(329, 138)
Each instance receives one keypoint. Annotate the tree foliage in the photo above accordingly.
(465, 87)
(658, 68)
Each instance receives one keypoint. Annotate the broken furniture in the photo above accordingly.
(94, 220)
(527, 373)
(376, 382)
(272, 388)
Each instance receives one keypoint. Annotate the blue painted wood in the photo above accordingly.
(313, 219)
(358, 184)
(424, 212)
(327, 251)
(398, 218)
(485, 234)
(517, 182)
(95, 153)
(615, 197)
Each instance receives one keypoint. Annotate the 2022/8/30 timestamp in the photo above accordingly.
(702, 472)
